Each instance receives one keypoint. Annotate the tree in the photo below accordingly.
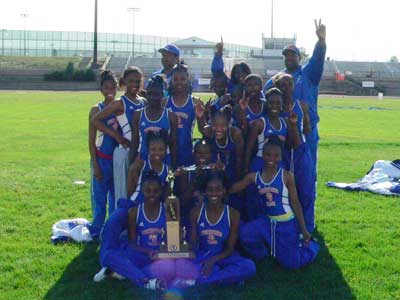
(303, 53)
(394, 59)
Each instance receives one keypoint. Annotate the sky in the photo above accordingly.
(356, 30)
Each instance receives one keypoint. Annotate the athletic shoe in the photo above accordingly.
(102, 274)
(155, 284)
(181, 283)
(117, 276)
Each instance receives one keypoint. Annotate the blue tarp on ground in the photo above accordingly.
(383, 178)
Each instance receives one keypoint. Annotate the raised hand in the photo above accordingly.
(226, 99)
(244, 101)
(199, 110)
(292, 118)
(320, 30)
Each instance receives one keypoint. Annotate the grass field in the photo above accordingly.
(21, 62)
(43, 149)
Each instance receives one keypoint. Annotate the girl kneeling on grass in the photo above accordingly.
(214, 232)
(101, 148)
(283, 228)
(135, 260)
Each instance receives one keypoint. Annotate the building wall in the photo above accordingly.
(72, 43)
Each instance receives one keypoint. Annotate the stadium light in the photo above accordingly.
(94, 62)
(24, 16)
(272, 19)
(2, 41)
(114, 42)
(133, 10)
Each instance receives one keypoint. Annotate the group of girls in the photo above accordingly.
(247, 182)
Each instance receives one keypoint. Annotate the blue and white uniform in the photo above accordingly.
(103, 190)
(307, 79)
(212, 237)
(279, 228)
(138, 197)
(254, 205)
(145, 125)
(227, 155)
(125, 119)
(136, 266)
(250, 115)
(298, 110)
(150, 233)
(186, 119)
(299, 162)
(121, 155)
(212, 240)
(268, 131)
(216, 103)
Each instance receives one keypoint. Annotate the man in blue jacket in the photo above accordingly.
(307, 78)
(170, 57)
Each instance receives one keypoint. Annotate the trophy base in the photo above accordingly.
(183, 253)
(174, 255)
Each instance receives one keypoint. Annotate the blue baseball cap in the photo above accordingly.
(170, 48)
(292, 48)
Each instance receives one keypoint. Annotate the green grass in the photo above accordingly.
(43, 150)
(34, 62)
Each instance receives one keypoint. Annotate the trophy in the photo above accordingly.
(174, 246)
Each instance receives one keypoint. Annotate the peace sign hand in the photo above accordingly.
(320, 30)
(293, 118)
(199, 110)
(244, 102)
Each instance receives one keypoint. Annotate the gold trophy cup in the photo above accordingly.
(175, 246)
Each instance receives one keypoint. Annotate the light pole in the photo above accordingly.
(24, 16)
(94, 62)
(114, 42)
(272, 19)
(133, 10)
(2, 41)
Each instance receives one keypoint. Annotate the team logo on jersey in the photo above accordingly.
(201, 224)
(153, 239)
(269, 191)
(141, 224)
(131, 107)
(212, 236)
(143, 123)
(270, 131)
(153, 129)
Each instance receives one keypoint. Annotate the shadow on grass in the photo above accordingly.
(321, 280)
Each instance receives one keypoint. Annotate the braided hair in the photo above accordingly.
(157, 135)
(179, 68)
(107, 75)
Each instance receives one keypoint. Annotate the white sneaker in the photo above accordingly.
(101, 275)
(155, 284)
(181, 283)
(117, 276)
